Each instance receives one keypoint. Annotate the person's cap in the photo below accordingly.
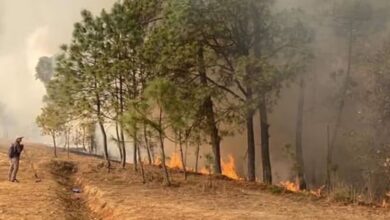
(19, 138)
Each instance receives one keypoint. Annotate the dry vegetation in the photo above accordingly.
(120, 194)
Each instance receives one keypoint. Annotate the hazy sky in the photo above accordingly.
(28, 30)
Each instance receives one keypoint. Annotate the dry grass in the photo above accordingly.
(121, 194)
(203, 197)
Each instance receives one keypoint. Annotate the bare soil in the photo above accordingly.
(120, 194)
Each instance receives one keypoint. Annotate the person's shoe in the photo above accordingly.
(15, 181)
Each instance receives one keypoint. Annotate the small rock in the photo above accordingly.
(76, 190)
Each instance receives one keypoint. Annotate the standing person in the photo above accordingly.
(14, 155)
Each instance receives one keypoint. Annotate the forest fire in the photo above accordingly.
(293, 187)
(229, 168)
(290, 186)
(175, 161)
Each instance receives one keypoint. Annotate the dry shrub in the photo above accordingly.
(341, 192)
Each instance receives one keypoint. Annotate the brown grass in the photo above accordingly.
(121, 194)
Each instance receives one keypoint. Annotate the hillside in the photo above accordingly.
(120, 194)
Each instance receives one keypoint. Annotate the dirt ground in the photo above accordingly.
(121, 194)
(30, 199)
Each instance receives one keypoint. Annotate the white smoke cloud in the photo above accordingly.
(36, 47)
(21, 93)
(29, 30)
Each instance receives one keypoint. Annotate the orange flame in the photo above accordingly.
(229, 168)
(290, 186)
(175, 161)
(293, 187)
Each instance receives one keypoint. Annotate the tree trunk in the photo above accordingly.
(67, 142)
(105, 147)
(264, 127)
(83, 141)
(147, 146)
(161, 138)
(186, 153)
(208, 108)
(53, 135)
(121, 105)
(76, 138)
(182, 156)
(135, 156)
(123, 141)
(328, 182)
(166, 175)
(151, 147)
(118, 141)
(102, 129)
(197, 157)
(298, 138)
(141, 165)
(92, 143)
(344, 92)
(251, 146)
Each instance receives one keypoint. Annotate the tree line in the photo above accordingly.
(195, 72)
(187, 71)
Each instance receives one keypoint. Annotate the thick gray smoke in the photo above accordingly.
(28, 31)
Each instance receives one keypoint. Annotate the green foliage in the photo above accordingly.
(157, 63)
(208, 162)
(165, 107)
(51, 121)
(45, 69)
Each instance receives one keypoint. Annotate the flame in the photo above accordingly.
(229, 168)
(290, 186)
(175, 161)
(294, 187)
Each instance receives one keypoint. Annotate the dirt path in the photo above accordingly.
(120, 194)
(51, 198)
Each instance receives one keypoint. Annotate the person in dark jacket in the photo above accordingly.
(14, 155)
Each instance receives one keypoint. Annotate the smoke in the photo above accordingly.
(32, 29)
(324, 79)
(28, 31)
